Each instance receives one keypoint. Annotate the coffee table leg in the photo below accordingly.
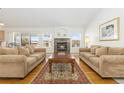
(50, 67)
(72, 65)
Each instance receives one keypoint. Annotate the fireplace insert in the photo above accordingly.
(61, 45)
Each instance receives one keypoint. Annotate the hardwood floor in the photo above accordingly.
(93, 77)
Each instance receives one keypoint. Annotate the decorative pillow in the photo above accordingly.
(31, 50)
(101, 51)
(93, 50)
(33, 47)
(24, 51)
(8, 51)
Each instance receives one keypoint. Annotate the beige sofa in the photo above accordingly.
(106, 61)
(14, 64)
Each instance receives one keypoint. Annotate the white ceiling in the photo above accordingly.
(38, 17)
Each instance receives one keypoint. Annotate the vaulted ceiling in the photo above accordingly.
(38, 17)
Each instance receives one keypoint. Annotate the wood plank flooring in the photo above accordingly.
(93, 77)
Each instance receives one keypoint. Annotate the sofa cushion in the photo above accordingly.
(37, 55)
(31, 61)
(101, 51)
(93, 48)
(87, 55)
(8, 51)
(31, 49)
(24, 51)
(84, 49)
(115, 51)
(95, 61)
(32, 46)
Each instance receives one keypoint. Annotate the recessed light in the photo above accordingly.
(1, 24)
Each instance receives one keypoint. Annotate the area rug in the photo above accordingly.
(61, 74)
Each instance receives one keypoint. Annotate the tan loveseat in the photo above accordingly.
(106, 61)
(15, 64)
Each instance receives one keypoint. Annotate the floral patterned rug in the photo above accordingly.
(61, 74)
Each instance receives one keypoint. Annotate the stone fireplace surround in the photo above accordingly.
(61, 45)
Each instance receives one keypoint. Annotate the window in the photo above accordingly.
(26, 38)
(76, 38)
(34, 39)
(17, 39)
(47, 40)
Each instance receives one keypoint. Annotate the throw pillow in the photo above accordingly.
(24, 51)
(31, 50)
(33, 47)
(93, 50)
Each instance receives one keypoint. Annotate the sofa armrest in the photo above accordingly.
(13, 66)
(40, 50)
(84, 49)
(112, 65)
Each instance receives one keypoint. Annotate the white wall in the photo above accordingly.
(105, 15)
(52, 30)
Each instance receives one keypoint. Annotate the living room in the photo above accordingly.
(64, 38)
(61, 46)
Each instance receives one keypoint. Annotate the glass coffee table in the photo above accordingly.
(61, 58)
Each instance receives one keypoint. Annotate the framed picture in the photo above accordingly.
(75, 43)
(110, 30)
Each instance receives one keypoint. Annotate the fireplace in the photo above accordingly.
(61, 45)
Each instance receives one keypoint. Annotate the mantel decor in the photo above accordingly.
(109, 31)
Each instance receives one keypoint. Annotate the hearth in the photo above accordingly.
(62, 45)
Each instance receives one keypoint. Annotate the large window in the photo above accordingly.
(34, 39)
(25, 38)
(17, 39)
(75, 38)
(47, 40)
